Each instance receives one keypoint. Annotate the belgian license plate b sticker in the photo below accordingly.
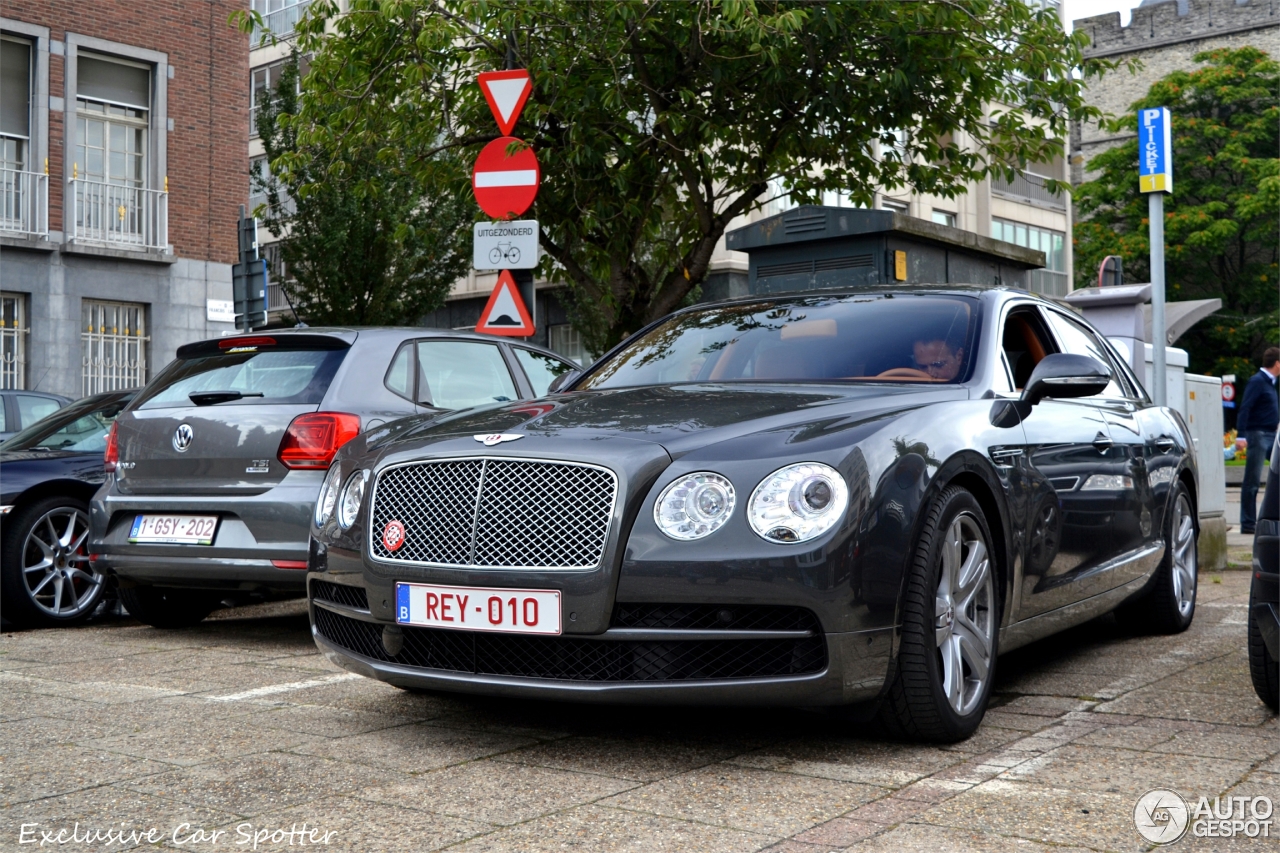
(508, 611)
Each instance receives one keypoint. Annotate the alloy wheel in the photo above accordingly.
(1184, 555)
(55, 564)
(964, 614)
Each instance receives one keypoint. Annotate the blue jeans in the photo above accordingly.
(1260, 442)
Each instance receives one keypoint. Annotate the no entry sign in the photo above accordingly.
(505, 186)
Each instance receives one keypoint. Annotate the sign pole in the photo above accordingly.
(1155, 178)
(1155, 208)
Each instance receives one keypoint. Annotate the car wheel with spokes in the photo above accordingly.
(47, 577)
(950, 627)
(1169, 604)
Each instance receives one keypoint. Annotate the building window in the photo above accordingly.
(943, 217)
(263, 82)
(1052, 280)
(13, 340)
(567, 341)
(257, 191)
(894, 206)
(22, 189)
(280, 17)
(114, 203)
(114, 346)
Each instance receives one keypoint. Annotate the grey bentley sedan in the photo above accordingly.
(855, 498)
(215, 466)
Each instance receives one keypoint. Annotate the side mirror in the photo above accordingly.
(1066, 375)
(566, 378)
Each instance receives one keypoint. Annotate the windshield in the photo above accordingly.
(81, 427)
(863, 338)
(253, 377)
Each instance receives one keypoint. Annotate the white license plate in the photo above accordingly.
(509, 611)
(174, 529)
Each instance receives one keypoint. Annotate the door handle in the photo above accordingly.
(1165, 444)
(1102, 442)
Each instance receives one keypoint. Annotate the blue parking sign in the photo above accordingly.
(1155, 150)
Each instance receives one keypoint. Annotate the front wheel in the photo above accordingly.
(1169, 605)
(165, 607)
(950, 627)
(47, 579)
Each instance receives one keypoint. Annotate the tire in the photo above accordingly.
(1169, 603)
(166, 607)
(46, 579)
(1263, 668)
(950, 627)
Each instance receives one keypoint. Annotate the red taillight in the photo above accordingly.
(289, 564)
(232, 343)
(312, 440)
(112, 455)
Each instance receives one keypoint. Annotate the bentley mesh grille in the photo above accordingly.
(573, 659)
(495, 513)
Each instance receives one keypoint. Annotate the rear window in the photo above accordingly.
(298, 376)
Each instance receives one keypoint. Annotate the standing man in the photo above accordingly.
(1256, 422)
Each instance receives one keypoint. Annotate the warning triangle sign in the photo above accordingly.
(505, 313)
(506, 92)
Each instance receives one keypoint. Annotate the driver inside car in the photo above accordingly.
(939, 359)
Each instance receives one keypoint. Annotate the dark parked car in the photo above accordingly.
(48, 473)
(835, 498)
(21, 409)
(1264, 594)
(218, 461)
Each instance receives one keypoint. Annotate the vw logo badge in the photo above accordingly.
(182, 437)
(497, 438)
(393, 535)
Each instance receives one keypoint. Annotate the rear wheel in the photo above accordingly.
(166, 607)
(46, 576)
(1263, 668)
(1170, 604)
(950, 627)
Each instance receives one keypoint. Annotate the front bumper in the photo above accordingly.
(621, 665)
(254, 532)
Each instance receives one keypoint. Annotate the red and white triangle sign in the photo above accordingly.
(506, 92)
(505, 313)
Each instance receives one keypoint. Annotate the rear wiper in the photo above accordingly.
(210, 398)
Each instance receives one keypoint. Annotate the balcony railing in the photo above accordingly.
(1030, 188)
(1049, 283)
(280, 16)
(119, 216)
(24, 203)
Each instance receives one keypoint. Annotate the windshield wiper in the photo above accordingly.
(210, 398)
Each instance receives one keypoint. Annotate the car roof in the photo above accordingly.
(351, 333)
(991, 291)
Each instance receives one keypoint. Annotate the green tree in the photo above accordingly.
(361, 241)
(1220, 225)
(657, 123)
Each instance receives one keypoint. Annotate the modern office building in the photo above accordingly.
(120, 166)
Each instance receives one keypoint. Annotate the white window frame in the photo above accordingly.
(13, 341)
(113, 357)
(38, 134)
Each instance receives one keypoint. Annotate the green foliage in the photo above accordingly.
(1220, 225)
(362, 243)
(658, 123)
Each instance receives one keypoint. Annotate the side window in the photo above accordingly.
(32, 409)
(399, 379)
(1024, 342)
(461, 374)
(1077, 339)
(540, 368)
(3, 426)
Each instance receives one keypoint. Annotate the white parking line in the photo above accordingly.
(272, 689)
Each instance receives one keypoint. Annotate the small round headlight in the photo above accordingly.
(798, 503)
(352, 496)
(328, 496)
(694, 506)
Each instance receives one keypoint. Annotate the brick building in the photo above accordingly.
(121, 174)
(1164, 35)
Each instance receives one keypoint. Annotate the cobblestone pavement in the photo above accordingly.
(240, 723)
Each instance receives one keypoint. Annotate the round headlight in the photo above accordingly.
(352, 495)
(798, 502)
(328, 496)
(694, 506)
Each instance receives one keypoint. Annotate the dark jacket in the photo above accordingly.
(1260, 408)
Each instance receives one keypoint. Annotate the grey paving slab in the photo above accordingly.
(924, 838)
(643, 758)
(47, 772)
(414, 748)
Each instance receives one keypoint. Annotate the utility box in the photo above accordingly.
(1203, 412)
(815, 248)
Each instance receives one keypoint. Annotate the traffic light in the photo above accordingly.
(249, 278)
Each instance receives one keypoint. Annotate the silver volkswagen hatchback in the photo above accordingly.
(214, 469)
